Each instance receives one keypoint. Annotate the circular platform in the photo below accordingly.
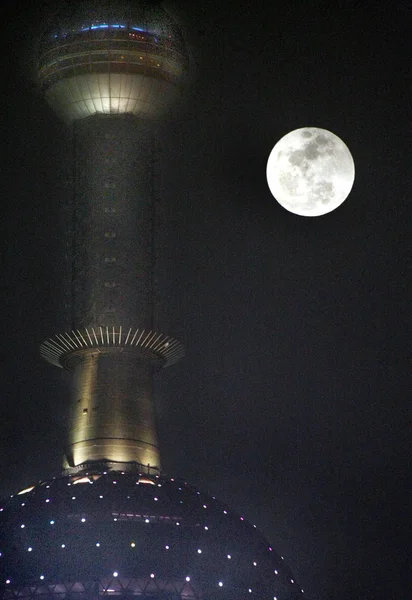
(57, 348)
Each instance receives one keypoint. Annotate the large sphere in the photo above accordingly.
(103, 58)
(125, 534)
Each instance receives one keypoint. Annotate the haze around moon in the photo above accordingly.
(310, 171)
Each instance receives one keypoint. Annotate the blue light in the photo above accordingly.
(137, 28)
(99, 26)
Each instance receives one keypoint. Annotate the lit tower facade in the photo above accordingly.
(111, 76)
(112, 523)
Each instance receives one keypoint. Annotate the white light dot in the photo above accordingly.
(187, 578)
(147, 520)
(292, 581)
(276, 572)
(7, 580)
(250, 591)
(177, 523)
(83, 520)
(100, 496)
(29, 549)
(206, 528)
(51, 522)
(167, 547)
(41, 576)
(152, 575)
(63, 545)
(155, 499)
(73, 497)
(115, 574)
(48, 500)
(199, 551)
(220, 584)
(22, 526)
(133, 545)
(204, 506)
(98, 544)
(229, 556)
(254, 563)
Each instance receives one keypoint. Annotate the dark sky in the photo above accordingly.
(293, 401)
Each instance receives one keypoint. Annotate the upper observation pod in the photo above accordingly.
(110, 58)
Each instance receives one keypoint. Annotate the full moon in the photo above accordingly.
(310, 171)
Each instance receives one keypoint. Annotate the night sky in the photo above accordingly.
(292, 403)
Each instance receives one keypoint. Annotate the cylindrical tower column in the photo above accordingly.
(112, 408)
(111, 254)
(110, 74)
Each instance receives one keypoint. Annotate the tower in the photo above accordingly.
(112, 524)
(110, 75)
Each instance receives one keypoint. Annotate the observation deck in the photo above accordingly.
(113, 66)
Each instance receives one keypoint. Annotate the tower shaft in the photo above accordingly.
(111, 229)
(110, 73)
(110, 262)
(112, 414)
(111, 286)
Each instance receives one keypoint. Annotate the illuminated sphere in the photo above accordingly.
(126, 534)
(112, 60)
(310, 171)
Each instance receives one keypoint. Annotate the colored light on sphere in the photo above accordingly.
(111, 550)
(310, 171)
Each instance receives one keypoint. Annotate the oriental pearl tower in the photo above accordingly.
(112, 523)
